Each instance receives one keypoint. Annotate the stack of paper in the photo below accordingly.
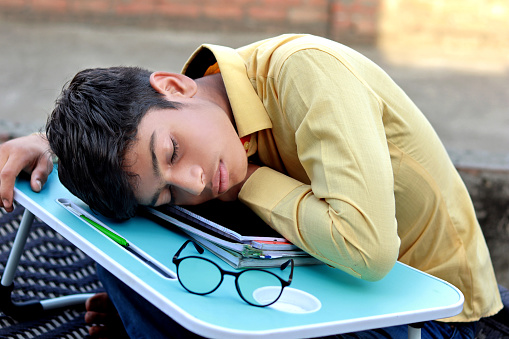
(234, 233)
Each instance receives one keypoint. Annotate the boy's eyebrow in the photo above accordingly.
(155, 167)
(151, 145)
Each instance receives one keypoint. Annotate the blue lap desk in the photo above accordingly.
(323, 301)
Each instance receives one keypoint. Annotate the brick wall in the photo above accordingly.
(338, 19)
(451, 23)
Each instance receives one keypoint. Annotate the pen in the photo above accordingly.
(115, 237)
(161, 269)
(122, 242)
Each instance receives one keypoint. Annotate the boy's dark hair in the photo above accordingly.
(93, 125)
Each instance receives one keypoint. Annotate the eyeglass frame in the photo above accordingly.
(284, 283)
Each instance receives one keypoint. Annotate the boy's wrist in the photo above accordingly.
(54, 158)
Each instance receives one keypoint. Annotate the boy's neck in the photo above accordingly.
(212, 88)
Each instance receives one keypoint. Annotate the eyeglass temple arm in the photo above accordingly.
(285, 265)
(198, 248)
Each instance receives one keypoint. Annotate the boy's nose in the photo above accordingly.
(192, 180)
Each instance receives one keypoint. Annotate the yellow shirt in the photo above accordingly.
(355, 174)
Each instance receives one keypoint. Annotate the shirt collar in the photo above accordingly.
(248, 110)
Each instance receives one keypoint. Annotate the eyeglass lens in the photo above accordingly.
(259, 288)
(191, 272)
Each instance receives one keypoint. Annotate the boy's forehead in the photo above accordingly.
(138, 162)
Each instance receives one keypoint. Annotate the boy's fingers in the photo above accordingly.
(100, 332)
(28, 153)
(101, 303)
(7, 179)
(98, 318)
(40, 173)
(36, 184)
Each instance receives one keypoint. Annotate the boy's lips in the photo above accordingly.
(221, 180)
(224, 178)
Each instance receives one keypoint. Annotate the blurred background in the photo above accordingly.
(450, 56)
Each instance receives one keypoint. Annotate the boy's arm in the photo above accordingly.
(346, 216)
(30, 154)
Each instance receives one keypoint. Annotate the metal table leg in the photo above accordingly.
(414, 331)
(35, 308)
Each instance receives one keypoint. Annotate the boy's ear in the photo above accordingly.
(173, 84)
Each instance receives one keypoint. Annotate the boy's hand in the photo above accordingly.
(233, 193)
(30, 154)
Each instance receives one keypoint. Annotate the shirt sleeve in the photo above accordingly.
(346, 216)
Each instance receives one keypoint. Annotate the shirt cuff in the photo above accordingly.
(264, 189)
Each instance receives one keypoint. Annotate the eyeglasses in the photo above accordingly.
(202, 276)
